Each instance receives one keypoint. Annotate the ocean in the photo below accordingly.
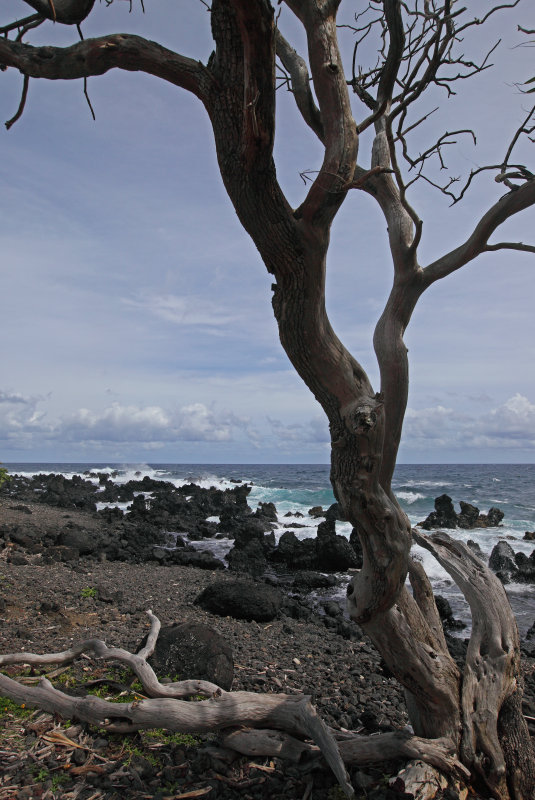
(298, 487)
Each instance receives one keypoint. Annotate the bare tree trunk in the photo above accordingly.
(366, 427)
(495, 739)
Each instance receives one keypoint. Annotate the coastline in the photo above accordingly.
(45, 606)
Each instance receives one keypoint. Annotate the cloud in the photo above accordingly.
(192, 311)
(24, 426)
(20, 417)
(15, 397)
(510, 425)
(314, 431)
(117, 423)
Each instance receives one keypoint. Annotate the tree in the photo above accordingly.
(473, 720)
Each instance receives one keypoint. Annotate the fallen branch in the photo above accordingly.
(258, 725)
(293, 714)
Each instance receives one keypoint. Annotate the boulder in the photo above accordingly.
(79, 539)
(267, 510)
(195, 558)
(526, 568)
(17, 559)
(531, 632)
(313, 580)
(193, 651)
(335, 512)
(444, 516)
(250, 559)
(24, 538)
(502, 561)
(60, 553)
(468, 516)
(295, 553)
(493, 518)
(446, 614)
(354, 541)
(249, 531)
(241, 600)
(316, 511)
(334, 552)
(332, 609)
(251, 547)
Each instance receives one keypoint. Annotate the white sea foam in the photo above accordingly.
(204, 481)
(122, 506)
(410, 497)
(219, 547)
(424, 483)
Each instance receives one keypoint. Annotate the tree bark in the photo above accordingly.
(495, 738)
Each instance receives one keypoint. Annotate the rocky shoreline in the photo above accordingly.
(69, 572)
(49, 606)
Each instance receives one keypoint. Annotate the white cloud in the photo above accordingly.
(14, 397)
(314, 431)
(185, 311)
(117, 423)
(20, 419)
(24, 426)
(511, 426)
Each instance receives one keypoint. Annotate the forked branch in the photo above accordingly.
(279, 724)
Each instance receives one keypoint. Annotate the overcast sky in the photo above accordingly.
(136, 315)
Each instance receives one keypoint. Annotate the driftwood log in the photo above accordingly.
(250, 723)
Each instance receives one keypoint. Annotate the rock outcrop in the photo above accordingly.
(445, 516)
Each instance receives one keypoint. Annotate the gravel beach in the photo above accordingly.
(47, 607)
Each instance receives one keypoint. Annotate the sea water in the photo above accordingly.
(298, 487)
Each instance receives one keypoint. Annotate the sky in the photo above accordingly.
(136, 314)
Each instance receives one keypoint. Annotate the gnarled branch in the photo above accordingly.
(97, 56)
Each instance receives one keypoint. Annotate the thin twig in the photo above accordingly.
(526, 248)
(19, 23)
(22, 103)
(88, 100)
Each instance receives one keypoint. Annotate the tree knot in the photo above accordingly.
(360, 417)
